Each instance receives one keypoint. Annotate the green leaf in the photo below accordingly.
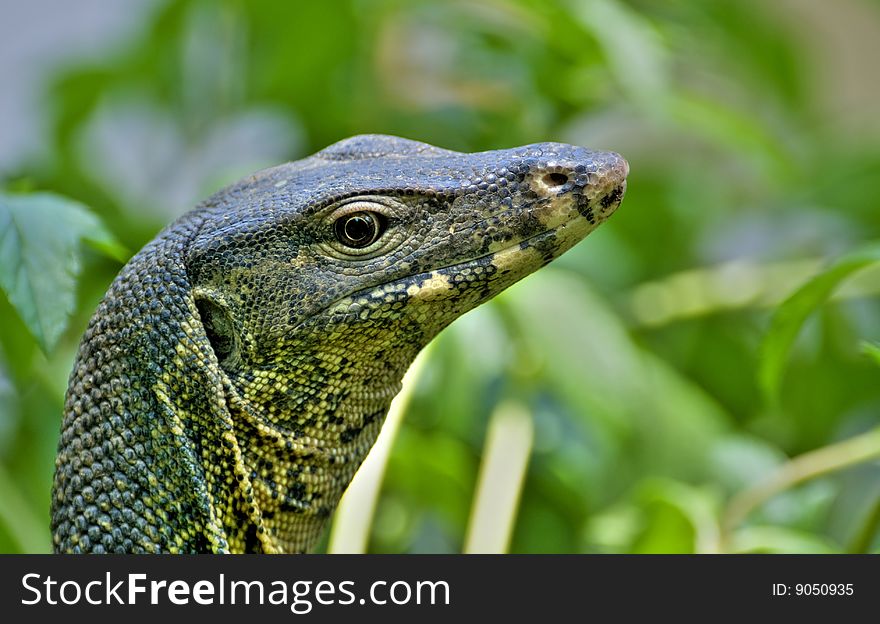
(24, 525)
(681, 517)
(872, 350)
(790, 316)
(40, 258)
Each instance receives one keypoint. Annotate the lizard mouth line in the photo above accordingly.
(524, 243)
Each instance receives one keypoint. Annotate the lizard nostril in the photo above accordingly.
(554, 180)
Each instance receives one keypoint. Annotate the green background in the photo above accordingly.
(664, 384)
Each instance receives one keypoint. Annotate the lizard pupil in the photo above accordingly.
(358, 229)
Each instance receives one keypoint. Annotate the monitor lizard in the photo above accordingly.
(240, 366)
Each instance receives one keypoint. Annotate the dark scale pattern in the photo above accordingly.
(241, 365)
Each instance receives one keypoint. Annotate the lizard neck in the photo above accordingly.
(303, 426)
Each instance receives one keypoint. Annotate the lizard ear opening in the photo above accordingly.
(220, 331)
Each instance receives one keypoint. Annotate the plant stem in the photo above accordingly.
(862, 541)
(808, 466)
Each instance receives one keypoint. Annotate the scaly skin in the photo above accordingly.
(241, 365)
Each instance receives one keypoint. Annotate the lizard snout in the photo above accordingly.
(577, 181)
(580, 171)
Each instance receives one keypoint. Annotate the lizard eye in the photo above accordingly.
(359, 229)
(362, 228)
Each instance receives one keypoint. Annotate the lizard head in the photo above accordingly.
(317, 282)
(383, 232)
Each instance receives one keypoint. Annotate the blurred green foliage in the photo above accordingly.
(755, 157)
